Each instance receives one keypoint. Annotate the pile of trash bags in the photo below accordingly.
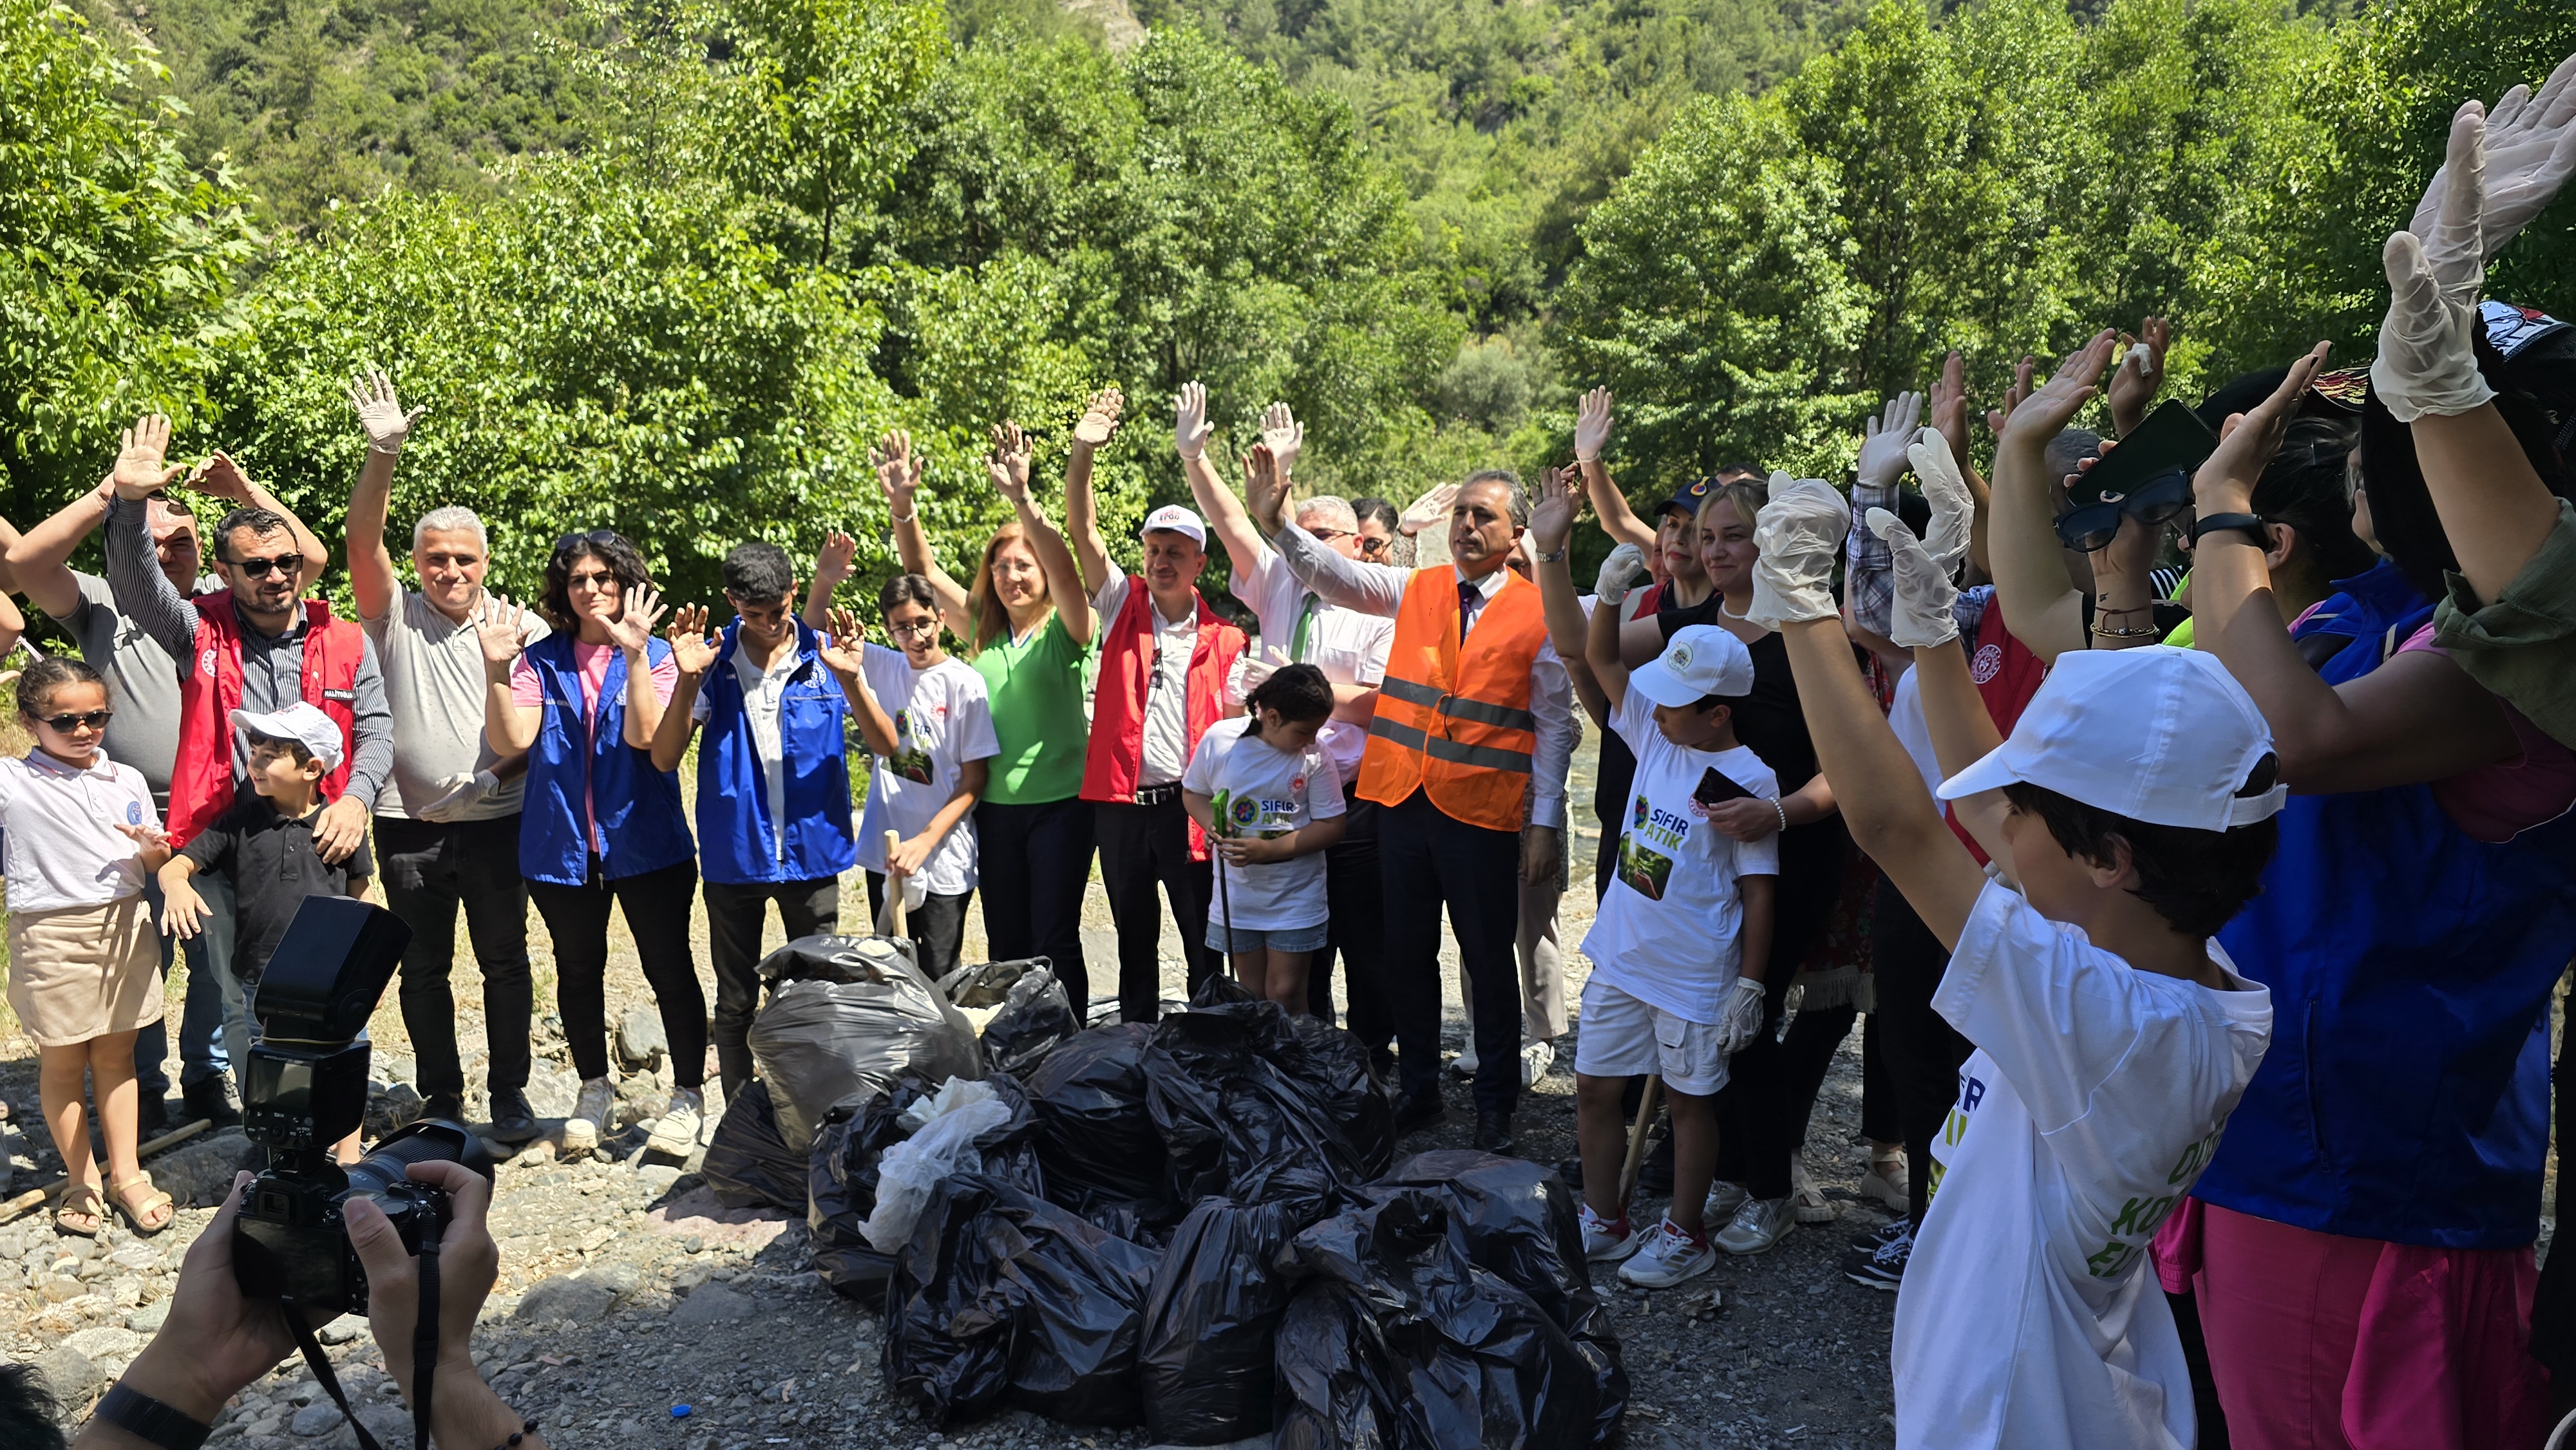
(1196, 1226)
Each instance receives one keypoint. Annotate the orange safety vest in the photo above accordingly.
(1458, 728)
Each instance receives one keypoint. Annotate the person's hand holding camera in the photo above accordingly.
(464, 1410)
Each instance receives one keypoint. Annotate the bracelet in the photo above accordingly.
(522, 1433)
(147, 1419)
(2250, 524)
(1784, 815)
(2147, 631)
(903, 518)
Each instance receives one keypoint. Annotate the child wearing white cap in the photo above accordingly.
(2128, 817)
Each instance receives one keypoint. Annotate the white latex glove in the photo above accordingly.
(1254, 669)
(1740, 1020)
(1625, 566)
(1882, 445)
(1799, 533)
(2529, 154)
(464, 792)
(1924, 592)
(2427, 361)
(1954, 509)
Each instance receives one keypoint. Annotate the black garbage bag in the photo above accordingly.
(1217, 1300)
(1096, 1139)
(1334, 1068)
(1232, 1089)
(748, 1164)
(1034, 1016)
(1334, 1385)
(1470, 1358)
(841, 1176)
(1002, 1296)
(1518, 1220)
(846, 1017)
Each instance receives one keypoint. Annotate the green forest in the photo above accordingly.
(670, 265)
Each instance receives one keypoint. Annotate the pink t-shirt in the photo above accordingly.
(592, 660)
(2501, 801)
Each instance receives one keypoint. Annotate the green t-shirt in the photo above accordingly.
(1036, 689)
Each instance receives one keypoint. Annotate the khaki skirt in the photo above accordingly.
(84, 971)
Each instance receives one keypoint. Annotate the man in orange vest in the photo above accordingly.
(1164, 658)
(1473, 731)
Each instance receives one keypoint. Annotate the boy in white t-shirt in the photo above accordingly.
(2128, 817)
(925, 790)
(1271, 803)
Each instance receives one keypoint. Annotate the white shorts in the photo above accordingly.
(1621, 1036)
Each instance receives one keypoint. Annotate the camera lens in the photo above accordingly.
(423, 1142)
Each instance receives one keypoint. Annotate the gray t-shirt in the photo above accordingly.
(142, 685)
(435, 685)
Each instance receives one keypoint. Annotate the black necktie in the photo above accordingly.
(1469, 596)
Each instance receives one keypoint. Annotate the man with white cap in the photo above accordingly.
(1164, 662)
(2128, 818)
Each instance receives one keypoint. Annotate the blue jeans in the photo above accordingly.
(201, 1021)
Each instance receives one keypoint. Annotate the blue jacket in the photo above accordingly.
(639, 807)
(738, 842)
(2406, 1093)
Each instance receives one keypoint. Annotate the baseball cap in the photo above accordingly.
(1178, 520)
(1698, 661)
(2156, 734)
(299, 722)
(1687, 501)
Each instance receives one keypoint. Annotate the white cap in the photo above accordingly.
(2156, 734)
(1698, 661)
(299, 722)
(1178, 520)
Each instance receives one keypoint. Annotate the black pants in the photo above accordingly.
(1427, 859)
(1878, 1120)
(735, 915)
(430, 868)
(1605, 865)
(1808, 1056)
(1923, 1052)
(656, 907)
(1761, 1112)
(1142, 847)
(1036, 861)
(937, 926)
(1356, 896)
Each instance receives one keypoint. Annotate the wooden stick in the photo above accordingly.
(1637, 1135)
(890, 920)
(35, 1197)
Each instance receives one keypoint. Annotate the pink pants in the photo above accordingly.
(2320, 1342)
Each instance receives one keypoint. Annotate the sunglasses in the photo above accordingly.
(2160, 500)
(1371, 545)
(1326, 536)
(89, 719)
(287, 564)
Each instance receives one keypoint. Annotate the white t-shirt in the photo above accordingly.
(1266, 792)
(764, 690)
(1905, 717)
(942, 719)
(1671, 927)
(63, 846)
(2097, 1095)
(1166, 745)
(434, 685)
(1348, 646)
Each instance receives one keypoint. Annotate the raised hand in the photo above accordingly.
(2225, 483)
(632, 630)
(386, 423)
(220, 477)
(1283, 435)
(898, 474)
(1257, 669)
(692, 648)
(497, 624)
(140, 472)
(2141, 372)
(1430, 511)
(2526, 152)
(1008, 464)
(1619, 573)
(1924, 593)
(1190, 428)
(1950, 408)
(2046, 412)
(1560, 497)
(2014, 396)
(1882, 445)
(1265, 490)
(1591, 425)
(834, 561)
(1099, 420)
(1954, 509)
(2427, 361)
(1800, 533)
(843, 653)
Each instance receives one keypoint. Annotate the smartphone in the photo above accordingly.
(2171, 440)
(1716, 789)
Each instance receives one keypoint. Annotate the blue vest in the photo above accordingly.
(2406, 1093)
(640, 818)
(737, 841)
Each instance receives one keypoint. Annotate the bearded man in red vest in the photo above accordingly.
(1164, 661)
(1470, 741)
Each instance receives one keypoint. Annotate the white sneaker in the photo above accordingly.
(1666, 1258)
(676, 1135)
(1723, 1200)
(1536, 1059)
(590, 1116)
(1810, 1201)
(1464, 1064)
(1885, 1181)
(1605, 1242)
(1757, 1225)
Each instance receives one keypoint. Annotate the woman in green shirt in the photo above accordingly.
(1027, 627)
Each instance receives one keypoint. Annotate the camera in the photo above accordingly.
(304, 1089)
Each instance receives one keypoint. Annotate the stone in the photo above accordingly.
(552, 1091)
(104, 1342)
(318, 1418)
(68, 1373)
(125, 1291)
(149, 1318)
(138, 1256)
(640, 1040)
(710, 1304)
(657, 1178)
(565, 1297)
(343, 1329)
(620, 1279)
(200, 1172)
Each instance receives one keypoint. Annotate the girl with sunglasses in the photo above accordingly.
(925, 790)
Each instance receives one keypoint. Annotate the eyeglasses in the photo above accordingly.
(920, 629)
(66, 724)
(2160, 500)
(289, 565)
(1326, 536)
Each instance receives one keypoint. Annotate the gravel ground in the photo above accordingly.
(626, 1291)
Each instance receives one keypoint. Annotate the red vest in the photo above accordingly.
(2007, 675)
(1116, 759)
(201, 782)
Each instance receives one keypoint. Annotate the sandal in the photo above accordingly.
(134, 1213)
(82, 1200)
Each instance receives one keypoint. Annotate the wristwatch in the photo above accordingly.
(1556, 558)
(141, 1415)
(2251, 524)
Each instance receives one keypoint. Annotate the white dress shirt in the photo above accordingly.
(1167, 715)
(1348, 646)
